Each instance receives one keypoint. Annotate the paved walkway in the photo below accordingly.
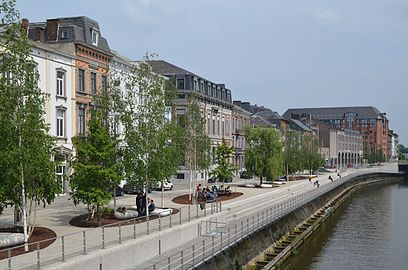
(57, 215)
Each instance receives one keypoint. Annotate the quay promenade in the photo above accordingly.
(162, 243)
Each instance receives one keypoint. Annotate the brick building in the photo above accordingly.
(80, 37)
(367, 120)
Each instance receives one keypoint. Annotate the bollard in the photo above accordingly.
(134, 228)
(159, 247)
(193, 255)
(62, 248)
(229, 237)
(84, 241)
(213, 245)
(9, 259)
(170, 220)
(182, 259)
(180, 216)
(189, 213)
(197, 210)
(147, 227)
(38, 257)
(236, 233)
(103, 237)
(120, 233)
(168, 261)
(221, 242)
(203, 251)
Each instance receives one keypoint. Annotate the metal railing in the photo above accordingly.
(218, 236)
(71, 245)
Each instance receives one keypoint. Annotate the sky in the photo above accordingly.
(278, 54)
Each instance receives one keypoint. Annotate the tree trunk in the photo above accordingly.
(191, 179)
(114, 198)
(98, 215)
(162, 194)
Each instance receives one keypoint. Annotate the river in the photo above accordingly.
(369, 231)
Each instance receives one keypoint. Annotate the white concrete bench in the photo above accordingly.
(11, 239)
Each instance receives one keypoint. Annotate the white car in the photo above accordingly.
(167, 185)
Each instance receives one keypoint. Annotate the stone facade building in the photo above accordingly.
(367, 120)
(214, 99)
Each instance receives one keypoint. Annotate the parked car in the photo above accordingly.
(214, 179)
(134, 188)
(119, 191)
(245, 175)
(168, 185)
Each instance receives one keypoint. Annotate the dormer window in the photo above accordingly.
(64, 34)
(95, 37)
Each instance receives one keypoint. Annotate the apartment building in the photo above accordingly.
(56, 79)
(214, 99)
(80, 37)
(372, 125)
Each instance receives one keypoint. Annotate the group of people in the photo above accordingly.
(211, 193)
(141, 204)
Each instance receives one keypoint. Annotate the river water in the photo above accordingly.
(370, 231)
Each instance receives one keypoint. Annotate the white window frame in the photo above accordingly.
(60, 121)
(95, 37)
(60, 83)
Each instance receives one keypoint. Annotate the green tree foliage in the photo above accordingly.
(264, 156)
(95, 167)
(197, 143)
(225, 169)
(310, 155)
(27, 172)
(151, 141)
(292, 152)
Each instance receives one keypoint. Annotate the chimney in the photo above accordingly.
(52, 30)
(24, 24)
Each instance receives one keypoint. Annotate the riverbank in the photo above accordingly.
(251, 246)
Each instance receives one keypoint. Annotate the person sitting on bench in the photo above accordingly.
(151, 206)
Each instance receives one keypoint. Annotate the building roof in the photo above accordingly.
(77, 29)
(298, 125)
(259, 121)
(327, 113)
(165, 68)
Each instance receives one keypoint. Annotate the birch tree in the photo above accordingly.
(151, 139)
(27, 172)
(197, 142)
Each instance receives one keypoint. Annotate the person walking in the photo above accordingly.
(139, 202)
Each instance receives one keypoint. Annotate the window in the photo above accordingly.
(209, 123)
(104, 84)
(81, 80)
(95, 37)
(81, 121)
(60, 173)
(201, 87)
(60, 83)
(60, 122)
(64, 34)
(93, 83)
(180, 84)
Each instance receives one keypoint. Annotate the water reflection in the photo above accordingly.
(368, 232)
